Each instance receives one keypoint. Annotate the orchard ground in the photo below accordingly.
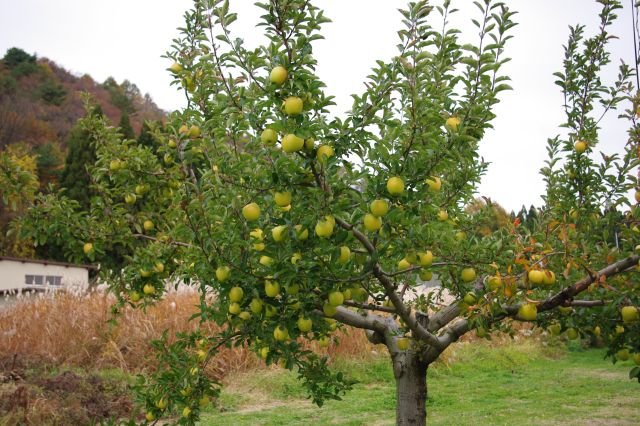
(70, 369)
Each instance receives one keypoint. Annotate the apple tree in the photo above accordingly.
(292, 222)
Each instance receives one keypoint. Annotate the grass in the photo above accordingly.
(480, 384)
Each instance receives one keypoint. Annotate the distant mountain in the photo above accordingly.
(40, 101)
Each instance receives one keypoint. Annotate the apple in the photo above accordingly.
(148, 289)
(236, 294)
(296, 257)
(304, 324)
(161, 403)
(135, 296)
(251, 212)
(402, 343)
(279, 233)
(336, 298)
(565, 310)
(345, 254)
(264, 351)
(186, 412)
(194, 132)
(403, 264)
(141, 189)
(292, 289)
(149, 416)
(372, 223)
(87, 248)
(460, 236)
(425, 258)
(597, 331)
(426, 275)
(379, 208)
(172, 144)
(536, 276)
(494, 282)
(623, 354)
(259, 246)
(272, 289)
(257, 234)
(256, 306)
(282, 199)
(619, 329)
(323, 341)
(324, 152)
(270, 311)
(329, 310)
(469, 299)
(148, 225)
(443, 215)
(468, 275)
(636, 358)
(292, 143)
(115, 165)
(265, 260)
(324, 228)
(359, 294)
(572, 333)
(555, 329)
(395, 186)
(130, 198)
(629, 314)
(549, 277)
(434, 184)
(144, 273)
(222, 273)
(293, 105)
(301, 233)
(175, 68)
(269, 137)
(637, 196)
(280, 334)
(580, 147)
(234, 308)
(527, 312)
(309, 144)
(452, 123)
(203, 402)
(278, 75)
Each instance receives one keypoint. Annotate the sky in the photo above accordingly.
(126, 39)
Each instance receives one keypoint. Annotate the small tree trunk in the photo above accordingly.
(411, 389)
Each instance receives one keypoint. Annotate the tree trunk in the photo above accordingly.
(411, 389)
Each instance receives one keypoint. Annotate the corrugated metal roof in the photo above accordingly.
(47, 262)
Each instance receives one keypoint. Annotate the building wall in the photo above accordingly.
(13, 276)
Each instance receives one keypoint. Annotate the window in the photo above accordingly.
(28, 279)
(51, 280)
(38, 279)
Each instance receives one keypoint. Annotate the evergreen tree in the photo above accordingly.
(532, 217)
(82, 154)
(125, 126)
(147, 137)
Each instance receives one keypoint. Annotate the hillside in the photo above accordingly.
(40, 100)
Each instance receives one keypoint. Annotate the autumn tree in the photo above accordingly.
(292, 223)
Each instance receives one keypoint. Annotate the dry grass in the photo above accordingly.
(72, 330)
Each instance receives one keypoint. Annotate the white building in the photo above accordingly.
(17, 275)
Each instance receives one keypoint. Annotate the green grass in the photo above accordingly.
(481, 385)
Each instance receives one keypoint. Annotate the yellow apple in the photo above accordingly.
(425, 258)
(597, 331)
(452, 123)
(461, 235)
(148, 225)
(301, 234)
(87, 248)
(469, 299)
(379, 208)
(203, 402)
(403, 343)
(278, 75)
(336, 298)
(264, 352)
(372, 223)
(323, 341)
(280, 334)
(175, 68)
(265, 260)
(222, 273)
(161, 403)
(572, 334)
(549, 277)
(135, 296)
(282, 199)
(434, 184)
(580, 147)
(324, 228)
(443, 215)
(555, 329)
(236, 294)
(619, 329)
(623, 354)
(186, 412)
(528, 312)
(279, 233)
(329, 310)
(304, 324)
(536, 277)
(251, 212)
(636, 358)
(234, 308)
(403, 264)
(345, 254)
(257, 234)
(468, 274)
(292, 289)
(629, 314)
(426, 275)
(395, 186)
(148, 289)
(130, 198)
(269, 137)
(256, 306)
(194, 132)
(324, 152)
(494, 282)
(272, 289)
(144, 273)
(259, 246)
(293, 105)
(292, 143)
(150, 416)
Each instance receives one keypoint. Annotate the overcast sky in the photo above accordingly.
(125, 39)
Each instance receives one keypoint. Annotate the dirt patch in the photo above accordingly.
(32, 394)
